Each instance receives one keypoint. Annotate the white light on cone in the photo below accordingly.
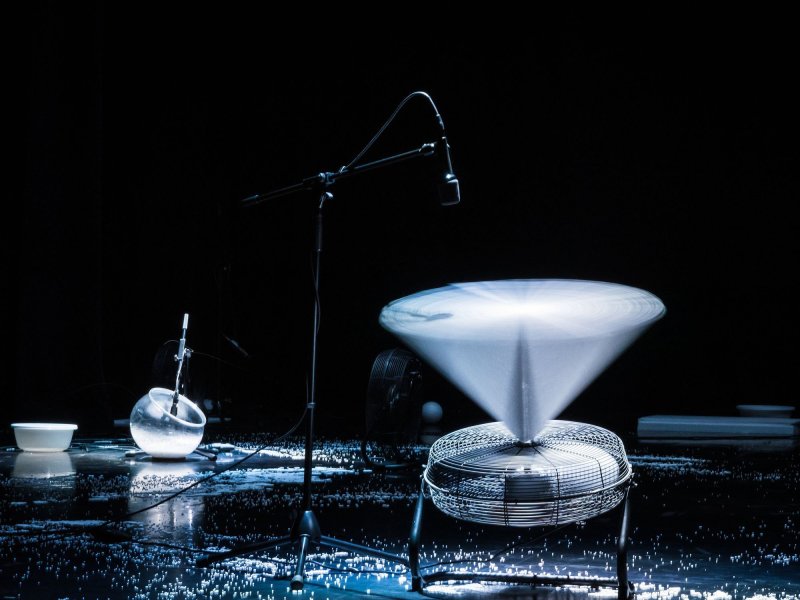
(522, 349)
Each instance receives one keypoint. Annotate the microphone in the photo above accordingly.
(182, 343)
(179, 357)
(449, 192)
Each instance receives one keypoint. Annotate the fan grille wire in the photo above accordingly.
(571, 472)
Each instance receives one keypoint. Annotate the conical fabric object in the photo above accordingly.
(522, 349)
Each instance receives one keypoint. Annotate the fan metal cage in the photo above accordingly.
(569, 472)
(393, 396)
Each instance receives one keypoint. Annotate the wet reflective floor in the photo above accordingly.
(99, 521)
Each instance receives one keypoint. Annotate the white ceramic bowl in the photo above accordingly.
(43, 437)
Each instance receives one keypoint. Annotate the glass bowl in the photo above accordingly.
(161, 434)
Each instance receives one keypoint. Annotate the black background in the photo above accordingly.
(653, 150)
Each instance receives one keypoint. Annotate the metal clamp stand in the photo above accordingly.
(306, 530)
(418, 581)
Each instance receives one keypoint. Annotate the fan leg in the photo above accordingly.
(417, 583)
(623, 591)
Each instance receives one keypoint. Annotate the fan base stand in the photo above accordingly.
(625, 589)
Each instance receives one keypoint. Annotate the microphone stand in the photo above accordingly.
(306, 530)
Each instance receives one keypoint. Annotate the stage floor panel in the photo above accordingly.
(707, 522)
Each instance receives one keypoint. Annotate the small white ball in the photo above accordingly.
(432, 412)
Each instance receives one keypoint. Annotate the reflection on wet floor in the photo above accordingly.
(716, 522)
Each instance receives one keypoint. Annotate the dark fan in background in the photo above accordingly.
(393, 411)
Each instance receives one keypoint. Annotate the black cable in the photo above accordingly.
(388, 122)
(214, 357)
(81, 531)
(227, 363)
(167, 546)
(68, 532)
(323, 565)
(352, 569)
(187, 549)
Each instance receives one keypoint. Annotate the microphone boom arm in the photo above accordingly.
(325, 179)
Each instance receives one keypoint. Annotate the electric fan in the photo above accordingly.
(523, 350)
(392, 411)
(570, 472)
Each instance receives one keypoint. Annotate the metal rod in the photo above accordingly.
(308, 463)
(622, 549)
(417, 583)
(324, 180)
(511, 578)
(297, 580)
(218, 556)
(344, 545)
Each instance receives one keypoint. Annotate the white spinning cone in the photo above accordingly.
(522, 349)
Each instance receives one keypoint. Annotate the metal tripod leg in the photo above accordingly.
(248, 549)
(305, 533)
(417, 583)
(623, 591)
(299, 571)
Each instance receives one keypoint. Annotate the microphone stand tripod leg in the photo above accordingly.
(214, 557)
(298, 579)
